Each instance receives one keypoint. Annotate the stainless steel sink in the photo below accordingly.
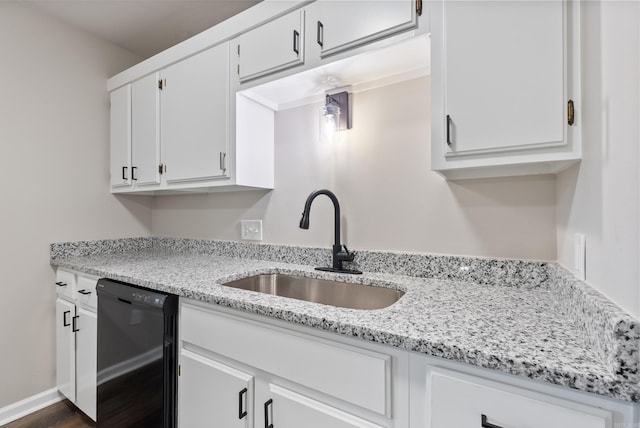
(335, 293)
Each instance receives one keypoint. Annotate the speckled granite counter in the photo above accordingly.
(530, 319)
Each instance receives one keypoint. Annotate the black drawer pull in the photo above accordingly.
(61, 284)
(448, 130)
(85, 292)
(74, 321)
(267, 405)
(65, 322)
(124, 172)
(320, 34)
(486, 424)
(241, 410)
(296, 42)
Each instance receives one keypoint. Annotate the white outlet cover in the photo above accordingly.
(251, 230)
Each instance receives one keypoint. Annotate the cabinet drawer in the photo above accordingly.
(457, 400)
(85, 293)
(358, 376)
(65, 283)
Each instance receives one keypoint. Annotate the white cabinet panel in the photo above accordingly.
(503, 74)
(287, 409)
(271, 47)
(65, 284)
(86, 361)
(461, 401)
(195, 121)
(121, 137)
(210, 391)
(145, 128)
(342, 25)
(369, 373)
(65, 349)
(86, 292)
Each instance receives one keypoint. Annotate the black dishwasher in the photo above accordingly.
(137, 356)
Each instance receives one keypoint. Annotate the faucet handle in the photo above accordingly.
(345, 255)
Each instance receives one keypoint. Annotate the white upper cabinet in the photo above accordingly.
(342, 25)
(272, 47)
(145, 128)
(502, 81)
(195, 116)
(121, 137)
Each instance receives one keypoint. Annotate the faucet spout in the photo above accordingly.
(339, 256)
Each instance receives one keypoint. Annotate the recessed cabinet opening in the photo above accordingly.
(404, 60)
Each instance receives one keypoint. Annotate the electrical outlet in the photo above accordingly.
(251, 230)
(580, 256)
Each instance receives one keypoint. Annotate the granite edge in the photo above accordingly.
(613, 333)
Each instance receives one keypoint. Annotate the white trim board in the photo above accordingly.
(29, 405)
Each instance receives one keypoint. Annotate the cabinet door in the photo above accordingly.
(86, 361)
(121, 137)
(65, 349)
(342, 25)
(145, 129)
(287, 409)
(503, 75)
(461, 401)
(194, 116)
(213, 394)
(271, 47)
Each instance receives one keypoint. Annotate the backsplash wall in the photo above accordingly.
(389, 197)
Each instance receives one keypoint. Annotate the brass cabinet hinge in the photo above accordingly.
(419, 7)
(570, 113)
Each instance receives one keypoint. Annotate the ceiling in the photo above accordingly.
(144, 27)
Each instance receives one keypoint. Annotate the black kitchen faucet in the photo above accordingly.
(338, 254)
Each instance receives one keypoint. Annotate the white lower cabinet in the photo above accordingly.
(237, 372)
(76, 340)
(457, 400)
(243, 370)
(65, 348)
(86, 361)
(213, 392)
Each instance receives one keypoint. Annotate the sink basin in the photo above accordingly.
(335, 293)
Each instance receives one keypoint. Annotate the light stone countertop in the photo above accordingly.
(517, 330)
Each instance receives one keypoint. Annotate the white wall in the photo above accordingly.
(390, 199)
(600, 196)
(54, 173)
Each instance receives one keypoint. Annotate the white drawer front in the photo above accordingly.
(65, 283)
(358, 376)
(86, 291)
(457, 400)
(289, 408)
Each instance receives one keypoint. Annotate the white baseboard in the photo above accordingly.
(29, 405)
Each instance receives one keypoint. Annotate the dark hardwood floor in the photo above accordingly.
(59, 415)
